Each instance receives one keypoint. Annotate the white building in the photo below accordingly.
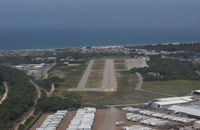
(185, 110)
(166, 102)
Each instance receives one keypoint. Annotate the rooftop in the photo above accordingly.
(187, 110)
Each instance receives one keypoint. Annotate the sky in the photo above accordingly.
(69, 20)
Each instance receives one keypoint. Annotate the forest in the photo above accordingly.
(169, 69)
(20, 96)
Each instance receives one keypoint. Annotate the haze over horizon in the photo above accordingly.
(28, 24)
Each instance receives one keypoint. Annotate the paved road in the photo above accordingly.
(109, 119)
(6, 92)
(83, 81)
(85, 76)
(109, 78)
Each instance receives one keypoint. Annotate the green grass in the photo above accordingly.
(2, 90)
(98, 66)
(99, 61)
(174, 87)
(120, 66)
(125, 94)
(72, 75)
(94, 80)
(119, 61)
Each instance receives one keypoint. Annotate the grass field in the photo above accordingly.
(112, 57)
(99, 61)
(120, 66)
(174, 87)
(94, 80)
(125, 94)
(70, 74)
(119, 61)
(98, 66)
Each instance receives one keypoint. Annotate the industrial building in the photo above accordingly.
(166, 102)
(186, 110)
(83, 119)
(52, 121)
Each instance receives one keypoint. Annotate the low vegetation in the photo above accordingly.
(71, 75)
(172, 87)
(63, 77)
(46, 83)
(95, 80)
(2, 90)
(71, 101)
(126, 93)
(120, 66)
(98, 66)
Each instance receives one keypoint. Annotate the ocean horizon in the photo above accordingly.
(72, 39)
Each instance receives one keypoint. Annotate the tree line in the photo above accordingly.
(169, 69)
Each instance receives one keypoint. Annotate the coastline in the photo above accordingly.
(113, 45)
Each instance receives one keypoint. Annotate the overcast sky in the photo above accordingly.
(35, 14)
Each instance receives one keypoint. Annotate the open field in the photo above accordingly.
(113, 57)
(98, 66)
(119, 61)
(94, 80)
(120, 66)
(99, 75)
(99, 61)
(174, 87)
(70, 74)
(125, 94)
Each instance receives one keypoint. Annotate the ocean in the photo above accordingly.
(81, 38)
(44, 24)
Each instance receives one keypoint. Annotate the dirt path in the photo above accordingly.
(51, 91)
(136, 63)
(109, 79)
(32, 109)
(109, 119)
(139, 87)
(5, 84)
(67, 120)
(37, 89)
(140, 81)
